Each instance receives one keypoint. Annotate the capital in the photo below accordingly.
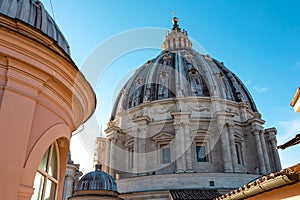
(256, 130)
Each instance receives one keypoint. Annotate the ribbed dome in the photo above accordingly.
(97, 180)
(180, 71)
(33, 13)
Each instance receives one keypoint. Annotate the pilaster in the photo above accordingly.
(107, 162)
(225, 147)
(143, 150)
(141, 145)
(271, 132)
(189, 155)
(256, 131)
(183, 149)
(265, 151)
(232, 147)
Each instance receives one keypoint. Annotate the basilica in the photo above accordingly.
(182, 127)
(185, 125)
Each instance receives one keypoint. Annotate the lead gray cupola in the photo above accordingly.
(180, 71)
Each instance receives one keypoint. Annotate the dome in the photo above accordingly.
(185, 118)
(32, 12)
(180, 71)
(97, 180)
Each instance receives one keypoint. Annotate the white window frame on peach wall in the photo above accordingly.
(45, 175)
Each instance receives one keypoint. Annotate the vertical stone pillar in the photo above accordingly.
(107, 163)
(260, 155)
(71, 179)
(272, 137)
(140, 146)
(265, 152)
(232, 147)
(78, 174)
(113, 146)
(68, 185)
(181, 124)
(142, 149)
(188, 146)
(225, 148)
(135, 155)
(179, 144)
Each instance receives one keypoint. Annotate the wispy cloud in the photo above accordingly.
(289, 128)
(297, 65)
(261, 89)
(256, 88)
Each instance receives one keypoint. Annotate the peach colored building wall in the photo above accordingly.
(43, 98)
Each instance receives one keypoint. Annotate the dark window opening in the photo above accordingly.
(238, 155)
(200, 154)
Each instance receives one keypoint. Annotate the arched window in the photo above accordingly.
(195, 82)
(137, 97)
(46, 178)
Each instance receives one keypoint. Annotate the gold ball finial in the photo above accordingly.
(175, 19)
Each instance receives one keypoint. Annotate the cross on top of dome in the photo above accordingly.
(177, 39)
(175, 22)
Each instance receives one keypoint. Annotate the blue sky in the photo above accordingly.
(258, 40)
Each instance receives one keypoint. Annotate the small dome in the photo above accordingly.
(97, 180)
(33, 13)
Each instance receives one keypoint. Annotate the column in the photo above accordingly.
(188, 146)
(275, 152)
(265, 152)
(142, 150)
(107, 164)
(78, 174)
(113, 156)
(181, 124)
(68, 184)
(135, 155)
(179, 144)
(232, 147)
(259, 150)
(225, 148)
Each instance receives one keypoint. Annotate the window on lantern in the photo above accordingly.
(200, 153)
(165, 154)
(46, 178)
